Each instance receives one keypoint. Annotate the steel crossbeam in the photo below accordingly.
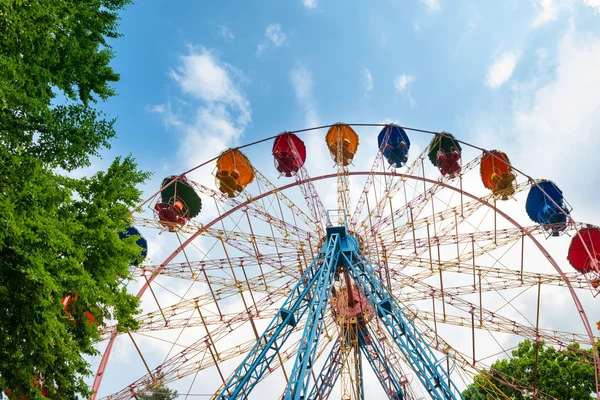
(256, 210)
(262, 354)
(370, 179)
(408, 339)
(381, 363)
(330, 372)
(287, 202)
(311, 296)
(298, 384)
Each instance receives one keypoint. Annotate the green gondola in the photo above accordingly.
(445, 142)
(182, 191)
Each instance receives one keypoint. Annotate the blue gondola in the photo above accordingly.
(132, 231)
(394, 143)
(542, 210)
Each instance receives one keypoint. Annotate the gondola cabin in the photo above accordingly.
(394, 144)
(546, 205)
(141, 242)
(69, 304)
(342, 143)
(178, 203)
(445, 154)
(497, 174)
(584, 253)
(289, 154)
(234, 172)
(35, 382)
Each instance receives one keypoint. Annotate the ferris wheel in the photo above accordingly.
(402, 279)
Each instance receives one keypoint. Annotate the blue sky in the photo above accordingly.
(465, 67)
(519, 76)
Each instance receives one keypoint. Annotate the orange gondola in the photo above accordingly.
(497, 174)
(234, 172)
(342, 143)
(68, 304)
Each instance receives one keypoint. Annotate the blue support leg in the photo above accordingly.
(299, 378)
(328, 376)
(389, 378)
(258, 360)
(409, 340)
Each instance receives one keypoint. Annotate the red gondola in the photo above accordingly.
(578, 255)
(289, 153)
(584, 253)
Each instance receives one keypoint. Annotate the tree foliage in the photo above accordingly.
(59, 234)
(566, 374)
(159, 393)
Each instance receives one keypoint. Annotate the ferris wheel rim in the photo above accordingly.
(541, 248)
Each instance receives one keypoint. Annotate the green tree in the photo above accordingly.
(564, 374)
(59, 234)
(159, 393)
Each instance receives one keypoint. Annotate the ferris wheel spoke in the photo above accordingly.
(363, 199)
(343, 193)
(454, 215)
(492, 239)
(287, 202)
(243, 237)
(313, 200)
(412, 209)
(194, 269)
(203, 353)
(391, 189)
(192, 228)
(256, 210)
(495, 319)
(492, 277)
(560, 338)
(470, 368)
(187, 313)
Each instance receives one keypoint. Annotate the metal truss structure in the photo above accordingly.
(416, 284)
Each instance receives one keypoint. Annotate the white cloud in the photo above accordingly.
(595, 4)
(213, 117)
(309, 3)
(416, 26)
(301, 78)
(561, 123)
(226, 33)
(401, 83)
(261, 48)
(549, 12)
(551, 9)
(502, 68)
(432, 5)
(553, 124)
(367, 80)
(274, 37)
(202, 76)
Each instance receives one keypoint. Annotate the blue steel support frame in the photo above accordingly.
(312, 294)
(409, 340)
(258, 360)
(328, 376)
(299, 378)
(375, 355)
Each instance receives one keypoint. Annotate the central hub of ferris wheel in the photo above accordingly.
(348, 303)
